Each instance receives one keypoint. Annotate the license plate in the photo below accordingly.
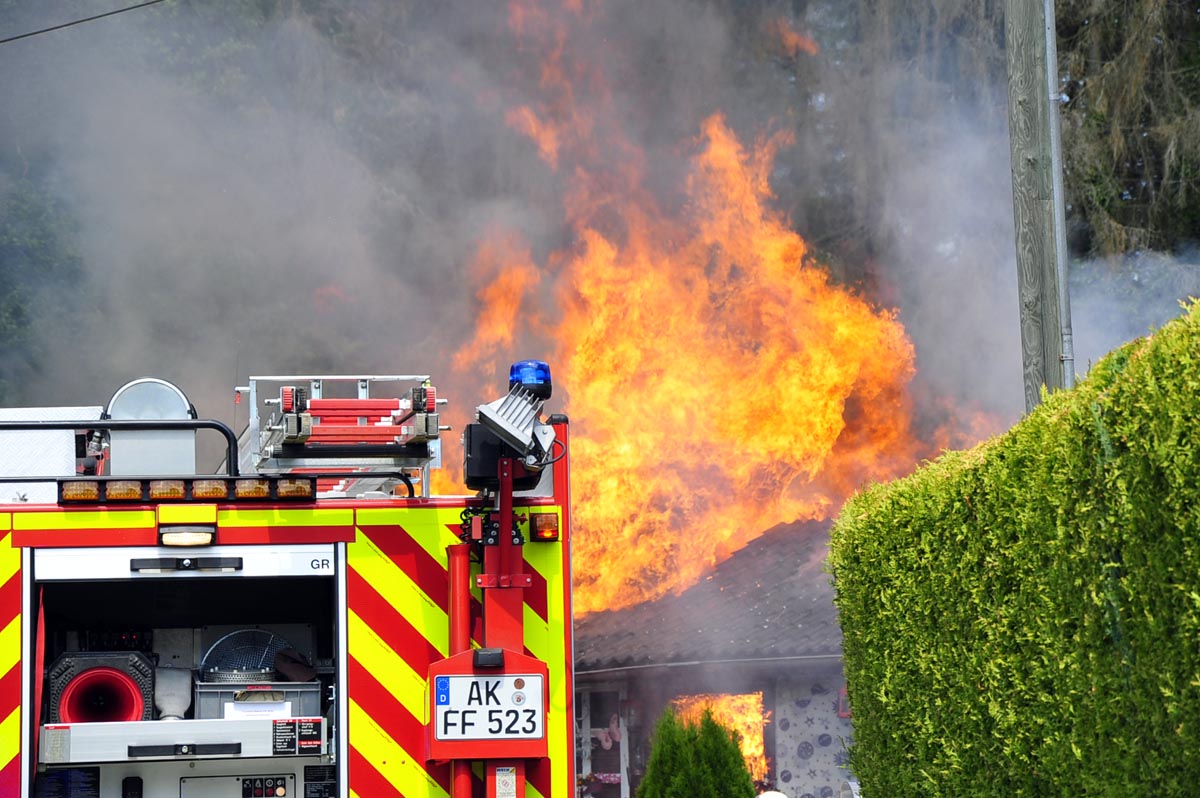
(505, 707)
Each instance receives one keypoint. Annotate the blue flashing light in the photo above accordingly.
(532, 374)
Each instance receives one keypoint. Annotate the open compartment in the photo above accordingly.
(136, 667)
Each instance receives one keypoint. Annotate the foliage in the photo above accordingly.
(1022, 619)
(702, 760)
(1131, 121)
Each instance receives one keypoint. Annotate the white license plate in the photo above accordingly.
(505, 707)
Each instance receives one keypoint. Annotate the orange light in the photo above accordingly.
(123, 490)
(210, 489)
(252, 489)
(294, 488)
(167, 489)
(543, 527)
(81, 491)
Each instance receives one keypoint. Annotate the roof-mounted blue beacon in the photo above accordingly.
(533, 375)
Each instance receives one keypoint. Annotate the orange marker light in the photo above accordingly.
(167, 489)
(210, 489)
(252, 489)
(294, 488)
(123, 490)
(81, 491)
(543, 527)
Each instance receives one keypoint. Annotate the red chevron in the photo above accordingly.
(394, 718)
(428, 573)
(395, 630)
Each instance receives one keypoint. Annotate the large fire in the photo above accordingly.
(718, 381)
(743, 714)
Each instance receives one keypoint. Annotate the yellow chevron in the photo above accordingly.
(10, 559)
(545, 640)
(10, 737)
(426, 525)
(337, 516)
(408, 776)
(546, 558)
(389, 668)
(10, 646)
(97, 519)
(5, 522)
(400, 591)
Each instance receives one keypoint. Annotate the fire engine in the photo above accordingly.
(307, 619)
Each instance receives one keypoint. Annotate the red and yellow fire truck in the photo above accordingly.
(306, 621)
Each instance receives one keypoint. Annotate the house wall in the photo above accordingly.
(804, 737)
(811, 738)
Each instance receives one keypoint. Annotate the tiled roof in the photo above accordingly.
(771, 599)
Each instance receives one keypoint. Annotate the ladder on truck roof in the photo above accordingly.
(359, 433)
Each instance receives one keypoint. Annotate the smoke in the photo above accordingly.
(304, 191)
(253, 195)
(1113, 302)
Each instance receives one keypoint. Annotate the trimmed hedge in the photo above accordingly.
(1023, 618)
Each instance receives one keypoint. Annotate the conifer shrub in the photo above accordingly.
(1023, 618)
(695, 760)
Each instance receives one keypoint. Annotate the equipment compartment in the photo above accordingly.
(91, 629)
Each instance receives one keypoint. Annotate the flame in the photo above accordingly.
(743, 714)
(718, 381)
(792, 40)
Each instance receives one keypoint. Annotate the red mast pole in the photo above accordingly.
(503, 581)
(461, 785)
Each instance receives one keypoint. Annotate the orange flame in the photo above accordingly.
(792, 40)
(718, 381)
(743, 714)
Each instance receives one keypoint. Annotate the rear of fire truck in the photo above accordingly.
(309, 620)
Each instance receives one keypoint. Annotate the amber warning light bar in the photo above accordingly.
(204, 489)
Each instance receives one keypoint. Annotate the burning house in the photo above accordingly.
(756, 639)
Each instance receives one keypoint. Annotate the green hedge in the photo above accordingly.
(1023, 618)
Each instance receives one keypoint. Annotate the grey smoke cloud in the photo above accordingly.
(262, 197)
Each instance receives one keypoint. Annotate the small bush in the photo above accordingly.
(701, 760)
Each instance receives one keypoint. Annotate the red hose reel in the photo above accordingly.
(96, 687)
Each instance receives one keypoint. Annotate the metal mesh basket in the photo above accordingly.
(247, 655)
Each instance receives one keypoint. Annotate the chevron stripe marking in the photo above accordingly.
(394, 584)
(10, 744)
(10, 670)
(10, 777)
(376, 656)
(432, 529)
(391, 626)
(378, 749)
(10, 564)
(10, 646)
(429, 573)
(535, 594)
(407, 731)
(365, 777)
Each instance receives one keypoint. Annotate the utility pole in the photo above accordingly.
(1033, 94)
